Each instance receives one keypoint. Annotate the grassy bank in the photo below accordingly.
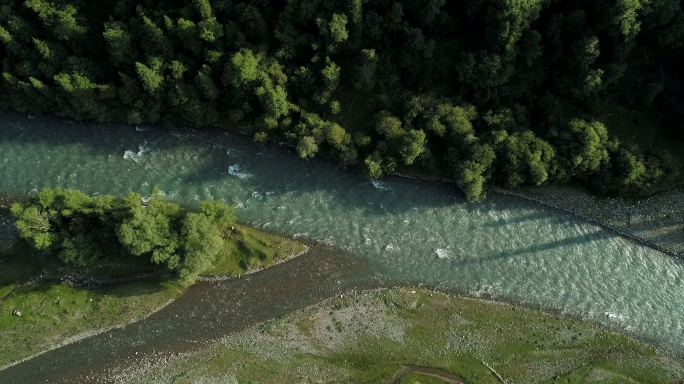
(420, 378)
(54, 313)
(251, 249)
(369, 337)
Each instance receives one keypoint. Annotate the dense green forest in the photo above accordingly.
(506, 92)
(80, 230)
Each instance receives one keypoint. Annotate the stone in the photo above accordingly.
(16, 312)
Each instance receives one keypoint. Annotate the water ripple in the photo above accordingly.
(408, 231)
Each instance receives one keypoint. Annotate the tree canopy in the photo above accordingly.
(77, 229)
(485, 91)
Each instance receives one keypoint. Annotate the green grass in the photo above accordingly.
(370, 337)
(249, 249)
(52, 313)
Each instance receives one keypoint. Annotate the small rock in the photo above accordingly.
(16, 312)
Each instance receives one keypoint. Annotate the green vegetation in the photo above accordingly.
(369, 337)
(252, 250)
(81, 230)
(88, 265)
(52, 313)
(421, 378)
(482, 91)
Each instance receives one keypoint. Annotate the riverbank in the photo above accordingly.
(369, 337)
(86, 334)
(204, 314)
(254, 251)
(53, 315)
(40, 313)
(656, 221)
(396, 230)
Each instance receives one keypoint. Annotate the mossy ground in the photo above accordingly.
(367, 338)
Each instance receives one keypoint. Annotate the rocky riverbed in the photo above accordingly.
(656, 221)
(374, 335)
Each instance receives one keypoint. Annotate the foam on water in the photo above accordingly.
(442, 253)
(143, 148)
(234, 170)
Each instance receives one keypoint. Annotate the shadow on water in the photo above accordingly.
(537, 248)
(534, 216)
(205, 313)
(54, 131)
(277, 168)
(274, 168)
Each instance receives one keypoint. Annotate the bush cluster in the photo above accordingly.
(81, 230)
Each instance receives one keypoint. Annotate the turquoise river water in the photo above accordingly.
(405, 231)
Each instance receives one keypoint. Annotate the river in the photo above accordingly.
(402, 231)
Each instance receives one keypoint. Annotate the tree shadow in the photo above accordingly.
(671, 236)
(55, 131)
(537, 248)
(203, 160)
(540, 215)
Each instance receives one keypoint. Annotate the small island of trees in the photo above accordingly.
(81, 230)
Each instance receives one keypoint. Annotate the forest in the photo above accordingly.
(485, 92)
(79, 230)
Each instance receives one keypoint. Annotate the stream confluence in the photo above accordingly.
(400, 231)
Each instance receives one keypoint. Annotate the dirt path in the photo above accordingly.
(448, 376)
